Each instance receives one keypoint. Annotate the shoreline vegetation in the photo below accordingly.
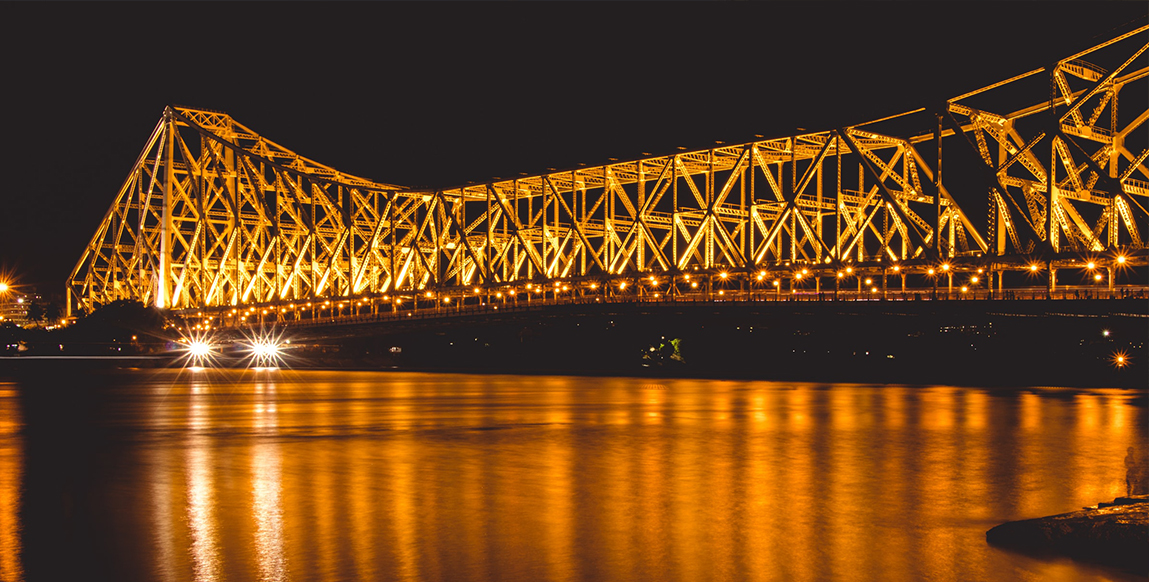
(1021, 343)
(1003, 343)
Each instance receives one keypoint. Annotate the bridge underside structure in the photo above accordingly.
(1041, 171)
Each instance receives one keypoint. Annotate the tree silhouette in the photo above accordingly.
(35, 312)
(52, 312)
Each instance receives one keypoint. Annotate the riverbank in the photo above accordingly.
(1070, 344)
(1113, 534)
(1084, 344)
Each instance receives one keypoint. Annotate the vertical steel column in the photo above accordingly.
(162, 299)
(837, 202)
(938, 184)
(744, 218)
(751, 256)
(392, 201)
(710, 230)
(1051, 172)
(487, 246)
(793, 195)
(641, 239)
(546, 233)
(674, 210)
(347, 197)
(861, 194)
(201, 249)
(818, 213)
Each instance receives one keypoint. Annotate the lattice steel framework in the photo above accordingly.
(212, 214)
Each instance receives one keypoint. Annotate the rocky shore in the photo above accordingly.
(1114, 534)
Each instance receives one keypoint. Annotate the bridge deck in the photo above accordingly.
(385, 310)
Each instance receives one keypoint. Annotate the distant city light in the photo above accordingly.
(1120, 359)
(197, 349)
(265, 350)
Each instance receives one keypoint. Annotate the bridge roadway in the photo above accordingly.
(357, 312)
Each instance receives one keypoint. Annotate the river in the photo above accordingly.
(315, 475)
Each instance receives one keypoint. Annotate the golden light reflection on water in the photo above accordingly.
(201, 494)
(266, 483)
(11, 484)
(361, 476)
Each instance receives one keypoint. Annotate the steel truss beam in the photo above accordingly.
(214, 215)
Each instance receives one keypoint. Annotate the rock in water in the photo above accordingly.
(1116, 536)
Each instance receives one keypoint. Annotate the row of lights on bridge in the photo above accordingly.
(538, 289)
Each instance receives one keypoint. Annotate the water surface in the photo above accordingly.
(288, 475)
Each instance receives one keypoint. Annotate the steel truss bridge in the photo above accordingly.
(214, 217)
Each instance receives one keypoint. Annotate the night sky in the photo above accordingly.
(441, 94)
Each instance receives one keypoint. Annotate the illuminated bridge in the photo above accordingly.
(1031, 187)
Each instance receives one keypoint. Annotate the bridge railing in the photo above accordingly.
(482, 306)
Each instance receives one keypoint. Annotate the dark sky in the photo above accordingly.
(439, 94)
